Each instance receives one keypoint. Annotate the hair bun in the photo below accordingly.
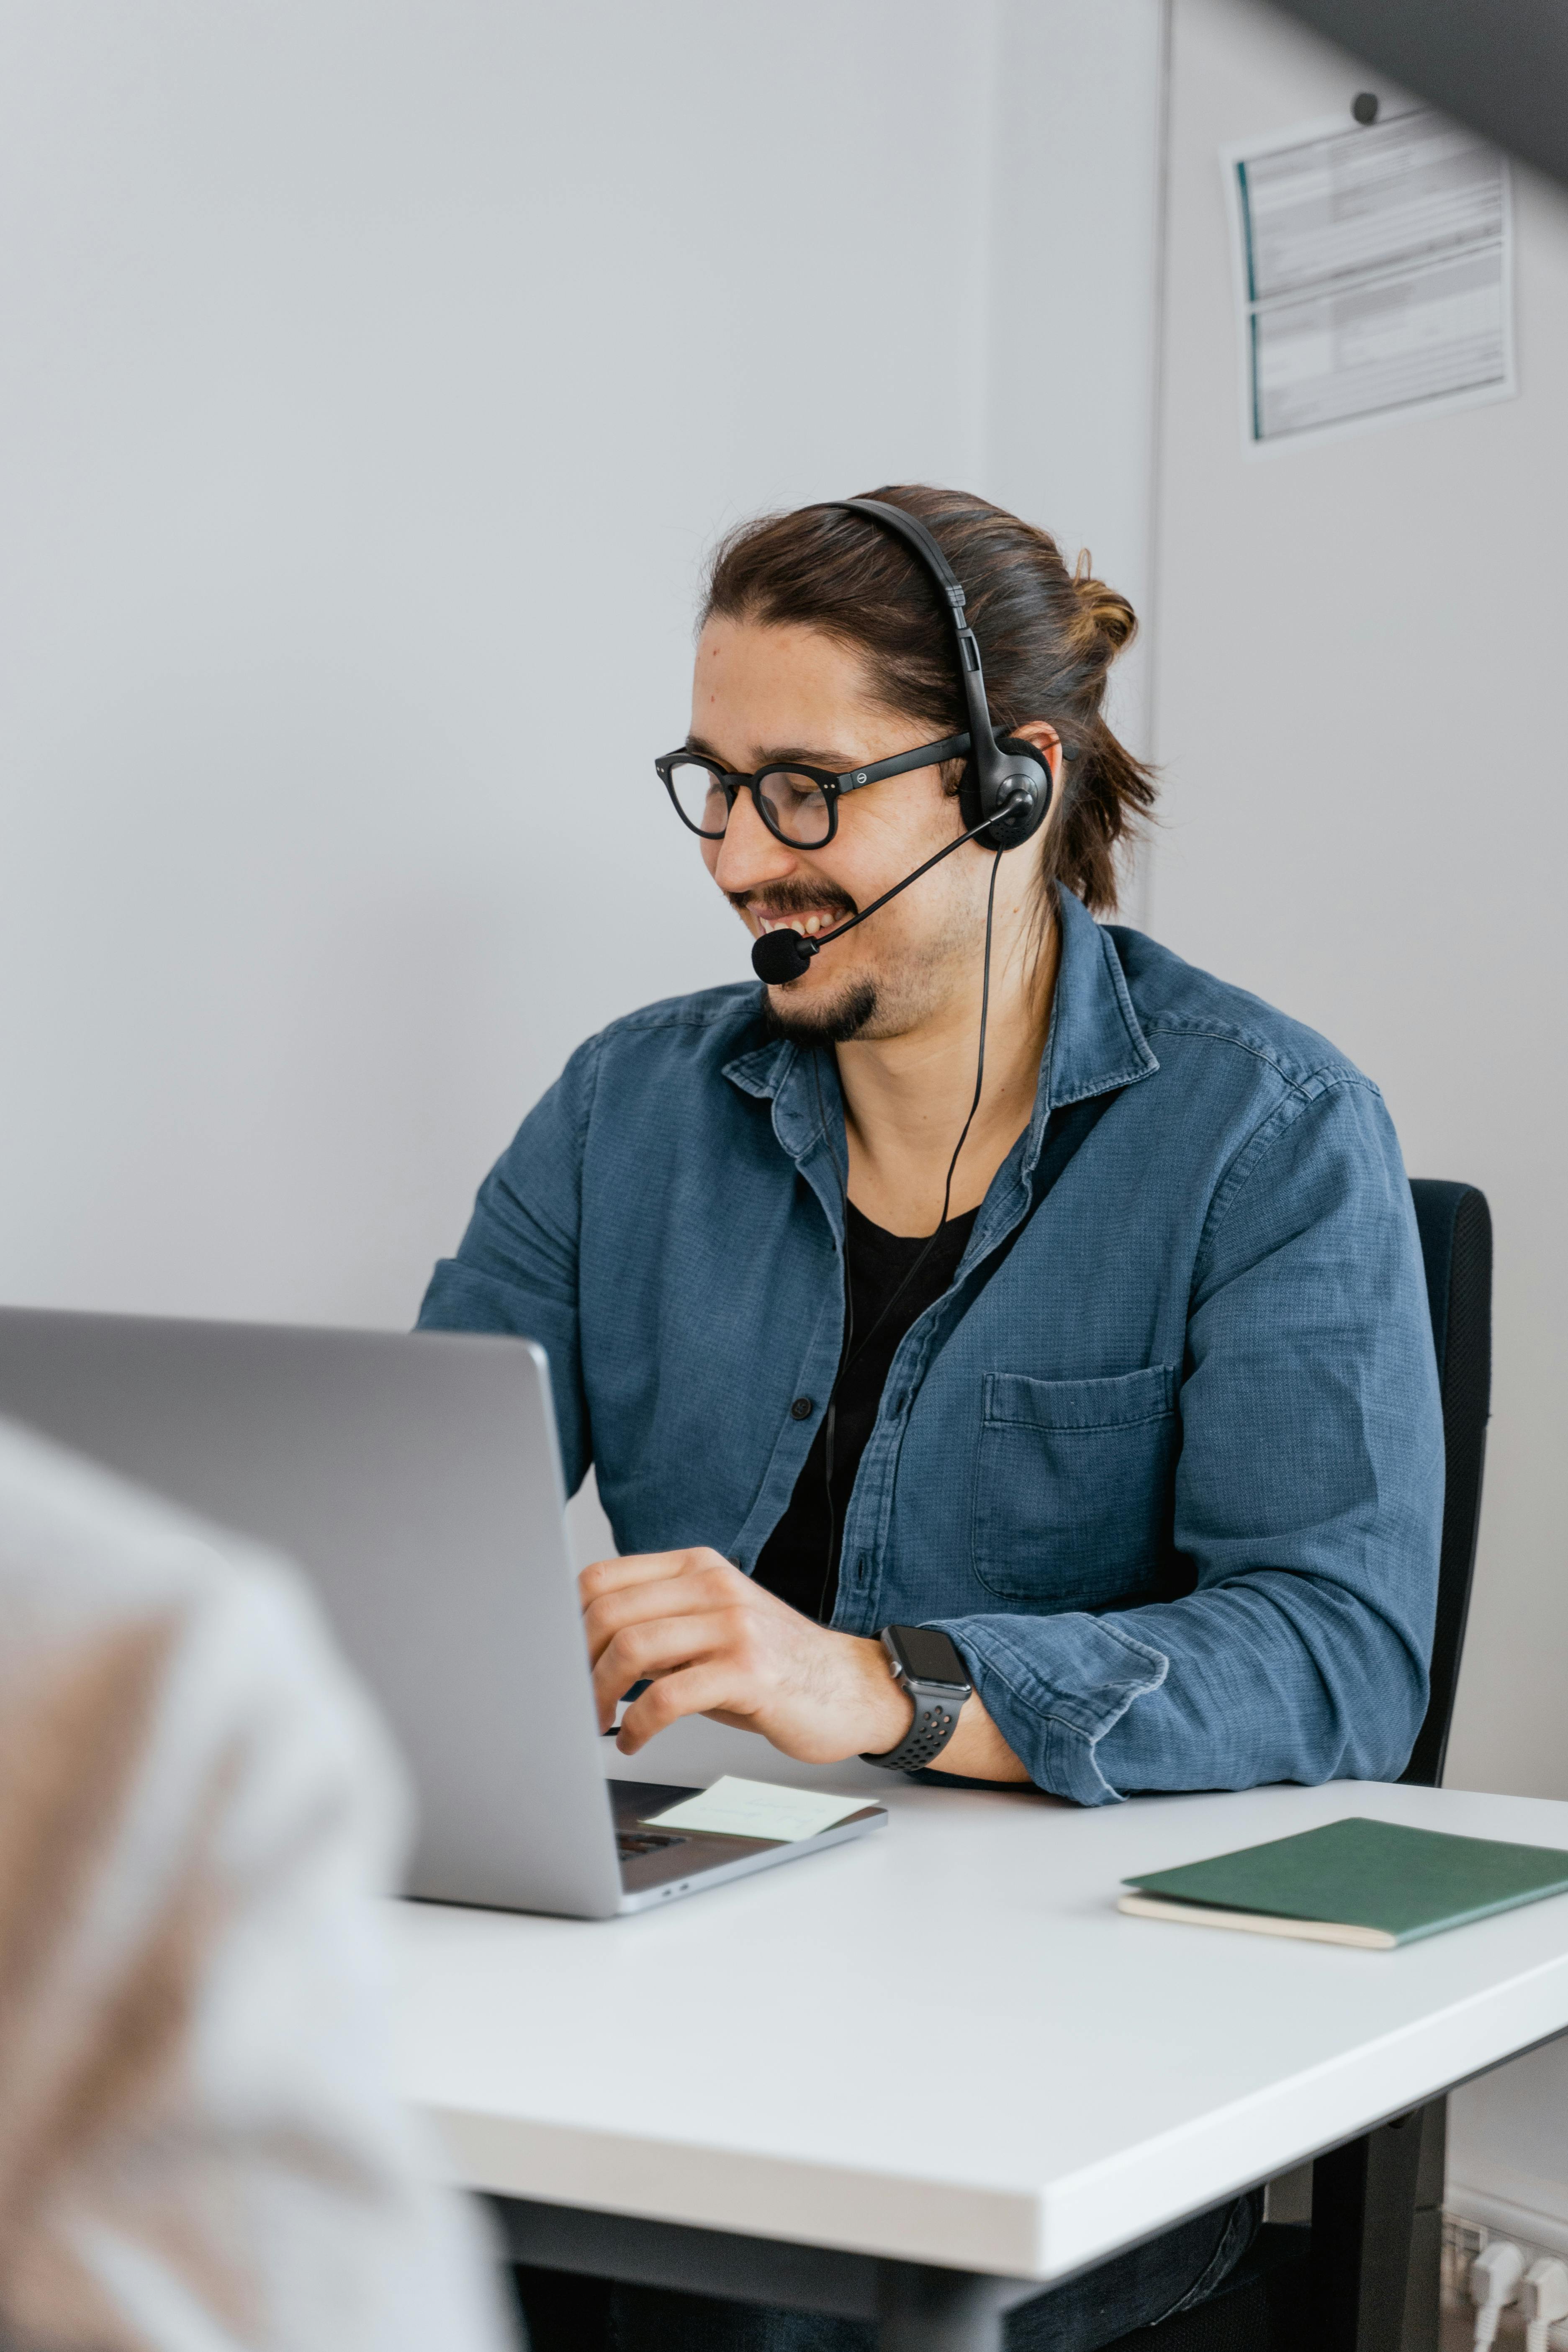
(1106, 609)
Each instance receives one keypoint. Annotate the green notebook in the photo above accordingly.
(1352, 1882)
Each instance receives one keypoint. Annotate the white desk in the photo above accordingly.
(942, 2045)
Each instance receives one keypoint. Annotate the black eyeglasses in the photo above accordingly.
(797, 804)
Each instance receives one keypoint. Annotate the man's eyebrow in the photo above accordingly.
(781, 755)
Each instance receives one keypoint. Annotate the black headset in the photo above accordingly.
(1007, 784)
(1004, 792)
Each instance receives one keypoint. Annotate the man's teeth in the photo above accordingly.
(806, 925)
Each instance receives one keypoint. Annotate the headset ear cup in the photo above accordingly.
(969, 797)
(1025, 766)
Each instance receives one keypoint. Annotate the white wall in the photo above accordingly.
(1358, 706)
(377, 374)
(1359, 711)
(1072, 251)
(383, 370)
(1508, 2149)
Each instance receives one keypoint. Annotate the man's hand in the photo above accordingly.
(711, 1641)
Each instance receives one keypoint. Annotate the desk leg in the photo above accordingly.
(921, 2310)
(1363, 2205)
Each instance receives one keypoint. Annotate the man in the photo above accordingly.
(1132, 1397)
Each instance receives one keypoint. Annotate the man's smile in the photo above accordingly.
(807, 916)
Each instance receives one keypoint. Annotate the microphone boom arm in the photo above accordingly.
(779, 957)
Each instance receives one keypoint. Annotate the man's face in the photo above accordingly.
(763, 693)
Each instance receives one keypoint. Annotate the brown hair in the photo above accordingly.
(1047, 638)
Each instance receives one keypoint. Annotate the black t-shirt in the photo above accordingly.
(800, 1560)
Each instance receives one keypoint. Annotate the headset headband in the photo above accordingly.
(922, 545)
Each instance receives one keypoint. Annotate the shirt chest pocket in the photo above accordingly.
(1073, 1488)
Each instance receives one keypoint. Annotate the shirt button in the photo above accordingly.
(803, 1409)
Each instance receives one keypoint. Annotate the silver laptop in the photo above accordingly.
(417, 1479)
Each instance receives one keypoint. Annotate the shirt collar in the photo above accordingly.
(1096, 1043)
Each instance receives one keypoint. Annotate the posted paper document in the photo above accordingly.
(1374, 270)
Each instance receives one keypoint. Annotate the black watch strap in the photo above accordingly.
(937, 1707)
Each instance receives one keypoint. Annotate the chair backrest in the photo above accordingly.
(1456, 1229)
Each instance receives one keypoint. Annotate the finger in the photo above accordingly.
(645, 1604)
(643, 1650)
(636, 1568)
(635, 1604)
(640, 1567)
(706, 1688)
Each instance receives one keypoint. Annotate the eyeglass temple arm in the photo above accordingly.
(927, 755)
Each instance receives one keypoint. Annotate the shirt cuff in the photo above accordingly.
(1054, 1686)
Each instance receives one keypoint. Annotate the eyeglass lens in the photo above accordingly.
(794, 806)
(698, 795)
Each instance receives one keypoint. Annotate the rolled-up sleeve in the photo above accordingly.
(516, 1269)
(1307, 1500)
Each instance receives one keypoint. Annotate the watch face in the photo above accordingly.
(928, 1656)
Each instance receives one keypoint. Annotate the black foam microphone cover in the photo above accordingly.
(780, 955)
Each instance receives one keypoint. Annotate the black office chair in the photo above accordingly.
(1456, 1229)
(1362, 2276)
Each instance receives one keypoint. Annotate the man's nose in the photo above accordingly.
(749, 854)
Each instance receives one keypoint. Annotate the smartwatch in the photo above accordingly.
(925, 1663)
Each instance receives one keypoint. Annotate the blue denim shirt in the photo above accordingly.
(1171, 1478)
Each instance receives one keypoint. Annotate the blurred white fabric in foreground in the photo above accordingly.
(200, 2144)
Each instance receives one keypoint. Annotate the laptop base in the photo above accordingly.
(656, 1865)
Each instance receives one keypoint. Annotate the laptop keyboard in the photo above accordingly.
(634, 1841)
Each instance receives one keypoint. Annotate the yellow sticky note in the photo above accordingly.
(757, 1808)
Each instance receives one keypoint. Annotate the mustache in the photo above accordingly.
(791, 898)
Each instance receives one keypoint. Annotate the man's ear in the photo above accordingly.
(1042, 737)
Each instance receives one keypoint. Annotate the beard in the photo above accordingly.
(851, 1014)
(845, 1015)
(864, 1008)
